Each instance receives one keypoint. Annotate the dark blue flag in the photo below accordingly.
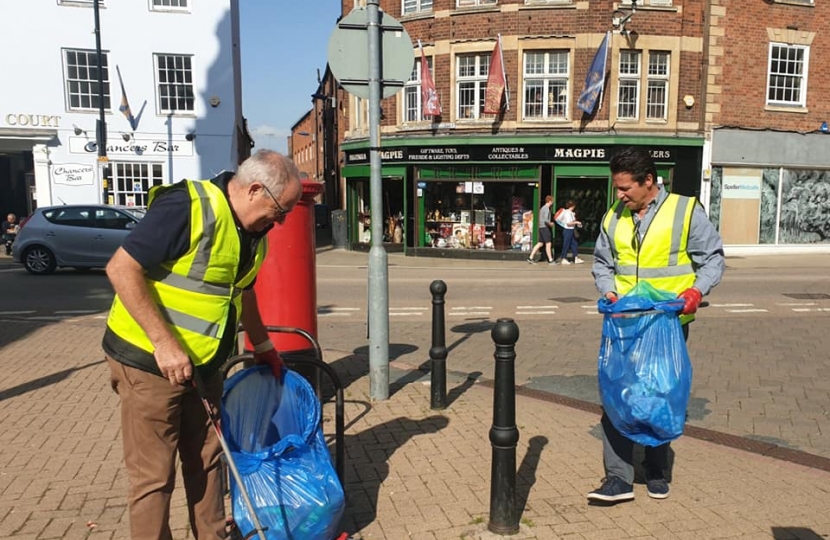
(125, 105)
(595, 79)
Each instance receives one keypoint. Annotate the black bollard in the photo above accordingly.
(504, 516)
(438, 351)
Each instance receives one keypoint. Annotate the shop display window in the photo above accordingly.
(478, 214)
(393, 218)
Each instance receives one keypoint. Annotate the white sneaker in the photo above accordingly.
(565, 262)
(577, 260)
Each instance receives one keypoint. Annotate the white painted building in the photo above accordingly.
(179, 62)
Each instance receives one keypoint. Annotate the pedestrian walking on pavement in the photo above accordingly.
(545, 234)
(668, 241)
(566, 218)
(183, 281)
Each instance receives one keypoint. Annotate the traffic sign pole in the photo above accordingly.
(378, 263)
(390, 53)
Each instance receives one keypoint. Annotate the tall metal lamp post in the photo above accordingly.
(101, 127)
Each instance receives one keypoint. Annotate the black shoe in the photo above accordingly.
(613, 490)
(531, 261)
(658, 488)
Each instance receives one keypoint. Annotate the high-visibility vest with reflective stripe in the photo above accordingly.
(194, 293)
(660, 258)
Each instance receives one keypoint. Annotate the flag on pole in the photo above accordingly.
(430, 101)
(595, 80)
(125, 105)
(496, 92)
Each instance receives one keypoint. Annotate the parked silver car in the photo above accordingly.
(81, 236)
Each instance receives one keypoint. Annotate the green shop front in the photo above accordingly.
(467, 198)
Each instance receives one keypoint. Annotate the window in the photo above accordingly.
(416, 6)
(72, 216)
(535, 2)
(412, 109)
(170, 4)
(628, 94)
(81, 77)
(175, 83)
(471, 3)
(132, 181)
(546, 85)
(657, 91)
(471, 84)
(79, 2)
(360, 114)
(109, 218)
(787, 75)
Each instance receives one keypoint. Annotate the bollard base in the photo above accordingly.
(480, 532)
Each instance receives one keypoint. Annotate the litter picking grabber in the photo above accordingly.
(214, 420)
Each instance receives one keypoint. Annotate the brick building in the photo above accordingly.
(315, 139)
(470, 184)
(303, 147)
(768, 158)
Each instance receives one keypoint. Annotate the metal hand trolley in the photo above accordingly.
(290, 360)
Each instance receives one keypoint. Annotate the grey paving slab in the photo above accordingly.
(417, 473)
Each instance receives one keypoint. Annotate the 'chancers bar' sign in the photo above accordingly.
(490, 153)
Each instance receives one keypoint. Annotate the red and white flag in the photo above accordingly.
(497, 91)
(430, 101)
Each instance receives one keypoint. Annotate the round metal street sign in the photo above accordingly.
(349, 54)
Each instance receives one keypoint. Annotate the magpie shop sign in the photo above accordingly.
(497, 153)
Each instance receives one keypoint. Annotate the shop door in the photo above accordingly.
(591, 197)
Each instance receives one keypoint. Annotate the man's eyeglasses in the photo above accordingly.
(281, 212)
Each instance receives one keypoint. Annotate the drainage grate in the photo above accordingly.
(571, 299)
(808, 296)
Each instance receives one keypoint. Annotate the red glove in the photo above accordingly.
(273, 359)
(610, 297)
(692, 298)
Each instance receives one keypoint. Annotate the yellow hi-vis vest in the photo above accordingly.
(661, 258)
(194, 293)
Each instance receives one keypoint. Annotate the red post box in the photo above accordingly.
(286, 287)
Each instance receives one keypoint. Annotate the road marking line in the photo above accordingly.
(408, 309)
(748, 310)
(537, 307)
(535, 313)
(406, 314)
(336, 314)
(592, 306)
(326, 309)
(731, 305)
(469, 313)
(471, 307)
(17, 312)
(802, 310)
(76, 311)
(796, 304)
(593, 313)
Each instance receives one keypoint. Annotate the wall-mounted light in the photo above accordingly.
(824, 127)
(78, 130)
(190, 137)
(620, 18)
(689, 101)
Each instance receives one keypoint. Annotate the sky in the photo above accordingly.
(283, 44)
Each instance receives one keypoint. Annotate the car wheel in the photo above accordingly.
(39, 260)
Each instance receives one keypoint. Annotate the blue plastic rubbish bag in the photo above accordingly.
(276, 440)
(645, 374)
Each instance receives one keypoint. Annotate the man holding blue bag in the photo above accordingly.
(667, 241)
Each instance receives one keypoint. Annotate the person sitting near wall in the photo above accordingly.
(9, 230)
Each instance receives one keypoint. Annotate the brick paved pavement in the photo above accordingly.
(411, 472)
